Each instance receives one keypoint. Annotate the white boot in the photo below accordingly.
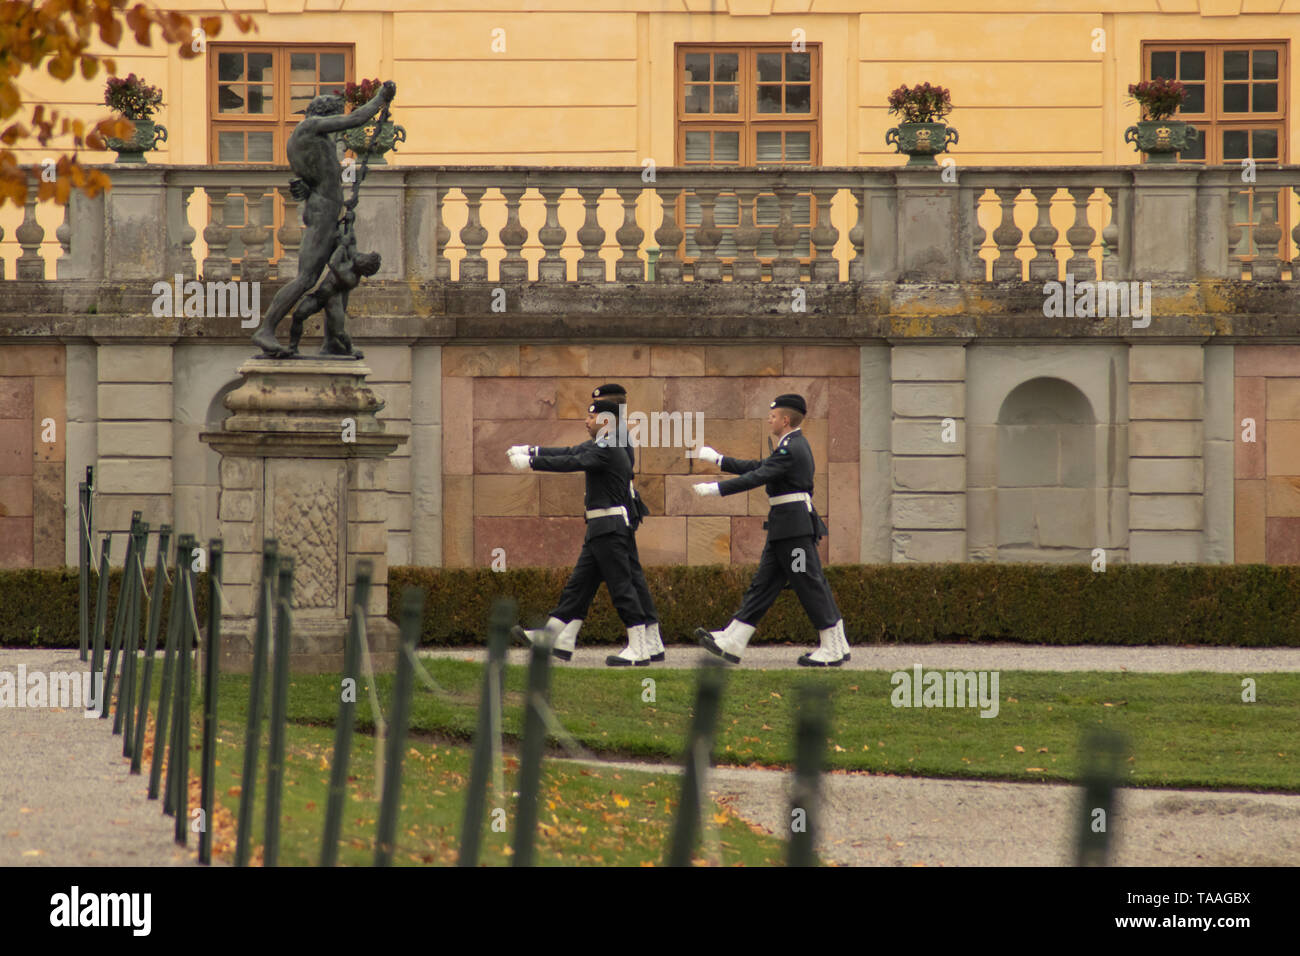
(833, 651)
(654, 645)
(635, 653)
(567, 640)
(729, 643)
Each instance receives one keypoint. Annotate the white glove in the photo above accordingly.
(520, 450)
(708, 454)
(519, 461)
(706, 489)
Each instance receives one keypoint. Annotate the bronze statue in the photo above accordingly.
(314, 158)
(346, 270)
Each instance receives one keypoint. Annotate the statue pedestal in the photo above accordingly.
(304, 461)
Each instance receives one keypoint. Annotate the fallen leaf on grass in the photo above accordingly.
(1019, 749)
(621, 802)
(1035, 769)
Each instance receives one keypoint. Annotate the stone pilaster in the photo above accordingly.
(426, 455)
(929, 458)
(304, 461)
(134, 439)
(1166, 463)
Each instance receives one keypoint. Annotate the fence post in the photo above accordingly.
(1103, 758)
(329, 853)
(530, 758)
(179, 758)
(151, 642)
(699, 748)
(211, 656)
(162, 720)
(101, 621)
(253, 733)
(279, 708)
(83, 560)
(811, 727)
(503, 616)
(119, 622)
(412, 616)
(131, 643)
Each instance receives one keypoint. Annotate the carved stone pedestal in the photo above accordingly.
(304, 461)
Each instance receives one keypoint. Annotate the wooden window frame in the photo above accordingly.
(747, 121)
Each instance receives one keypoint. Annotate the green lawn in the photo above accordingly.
(1185, 730)
(587, 816)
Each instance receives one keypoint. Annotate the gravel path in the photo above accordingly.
(66, 797)
(881, 820)
(894, 657)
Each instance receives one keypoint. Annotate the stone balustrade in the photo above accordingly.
(473, 224)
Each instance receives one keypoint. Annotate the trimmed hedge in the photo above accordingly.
(1216, 605)
(38, 606)
(1248, 605)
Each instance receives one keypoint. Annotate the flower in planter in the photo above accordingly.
(132, 97)
(356, 95)
(1159, 98)
(922, 103)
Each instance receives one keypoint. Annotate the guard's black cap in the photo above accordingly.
(793, 401)
(603, 405)
(613, 388)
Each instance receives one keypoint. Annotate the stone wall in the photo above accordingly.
(499, 395)
(33, 421)
(1268, 469)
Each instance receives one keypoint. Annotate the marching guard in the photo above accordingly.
(790, 552)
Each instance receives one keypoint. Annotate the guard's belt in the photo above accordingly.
(609, 513)
(791, 499)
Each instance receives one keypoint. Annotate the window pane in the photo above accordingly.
(1265, 64)
(697, 99)
(726, 99)
(260, 100)
(697, 67)
(798, 147)
(767, 150)
(230, 99)
(230, 66)
(1265, 100)
(798, 99)
(1192, 65)
(261, 147)
(1164, 63)
(726, 211)
(259, 67)
(1236, 64)
(726, 148)
(697, 146)
(1197, 151)
(1195, 102)
(230, 147)
(769, 99)
(769, 67)
(798, 67)
(726, 66)
(300, 96)
(302, 67)
(332, 68)
(767, 210)
(1264, 144)
(1235, 144)
(1235, 97)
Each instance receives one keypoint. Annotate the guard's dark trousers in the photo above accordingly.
(607, 558)
(775, 569)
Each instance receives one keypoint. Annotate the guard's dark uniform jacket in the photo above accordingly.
(609, 543)
(788, 470)
(634, 514)
(609, 480)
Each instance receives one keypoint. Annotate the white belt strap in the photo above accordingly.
(610, 513)
(791, 499)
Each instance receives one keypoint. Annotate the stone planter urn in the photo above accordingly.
(147, 135)
(358, 140)
(1161, 140)
(921, 141)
